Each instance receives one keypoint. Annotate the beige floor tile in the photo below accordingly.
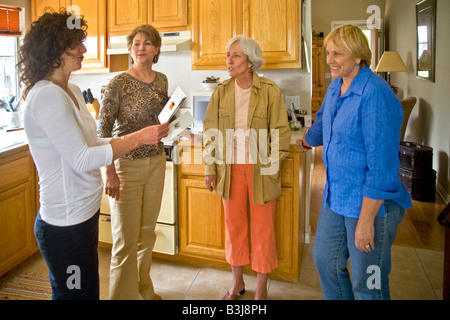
(433, 264)
(212, 284)
(282, 290)
(173, 277)
(307, 258)
(169, 295)
(416, 275)
(407, 268)
(309, 278)
(405, 291)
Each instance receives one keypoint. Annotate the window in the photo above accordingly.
(8, 71)
(10, 31)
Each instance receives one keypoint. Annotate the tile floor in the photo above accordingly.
(416, 275)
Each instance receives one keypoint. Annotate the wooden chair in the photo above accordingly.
(407, 104)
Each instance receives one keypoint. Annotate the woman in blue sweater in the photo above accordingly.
(364, 200)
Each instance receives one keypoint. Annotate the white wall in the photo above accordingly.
(429, 123)
(177, 67)
(325, 11)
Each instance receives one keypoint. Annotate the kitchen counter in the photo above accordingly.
(197, 138)
(18, 200)
(11, 140)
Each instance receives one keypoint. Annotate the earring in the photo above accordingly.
(357, 67)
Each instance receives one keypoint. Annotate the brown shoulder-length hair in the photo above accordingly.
(48, 38)
(150, 33)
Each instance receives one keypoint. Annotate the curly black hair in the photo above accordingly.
(48, 38)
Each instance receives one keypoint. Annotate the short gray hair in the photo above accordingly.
(250, 48)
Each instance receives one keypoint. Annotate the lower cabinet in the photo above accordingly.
(18, 207)
(201, 220)
(202, 224)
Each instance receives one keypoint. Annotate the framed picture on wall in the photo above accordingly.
(426, 39)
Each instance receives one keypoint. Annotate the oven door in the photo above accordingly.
(166, 227)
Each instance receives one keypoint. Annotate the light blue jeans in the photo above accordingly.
(334, 244)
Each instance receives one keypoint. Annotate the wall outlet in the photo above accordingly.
(292, 99)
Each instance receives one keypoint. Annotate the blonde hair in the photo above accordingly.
(151, 33)
(354, 40)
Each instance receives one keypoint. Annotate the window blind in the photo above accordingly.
(10, 21)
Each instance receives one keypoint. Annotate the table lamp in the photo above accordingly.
(391, 62)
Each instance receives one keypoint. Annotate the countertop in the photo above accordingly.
(295, 135)
(11, 139)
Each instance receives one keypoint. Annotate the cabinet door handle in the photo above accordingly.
(106, 219)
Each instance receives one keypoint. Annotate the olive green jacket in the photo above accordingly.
(269, 140)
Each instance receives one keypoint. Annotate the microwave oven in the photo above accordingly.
(200, 100)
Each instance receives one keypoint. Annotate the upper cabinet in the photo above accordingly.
(165, 15)
(274, 24)
(168, 13)
(94, 12)
(214, 23)
(38, 7)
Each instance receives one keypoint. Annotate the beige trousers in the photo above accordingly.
(133, 222)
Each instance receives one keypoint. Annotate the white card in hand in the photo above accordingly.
(172, 105)
(177, 126)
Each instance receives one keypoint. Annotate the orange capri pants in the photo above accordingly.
(263, 253)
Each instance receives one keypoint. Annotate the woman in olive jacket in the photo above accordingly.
(246, 137)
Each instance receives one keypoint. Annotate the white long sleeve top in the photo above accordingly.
(67, 153)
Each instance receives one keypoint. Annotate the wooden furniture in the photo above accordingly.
(318, 75)
(275, 25)
(444, 220)
(94, 12)
(165, 15)
(18, 206)
(201, 219)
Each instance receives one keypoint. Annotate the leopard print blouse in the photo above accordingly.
(129, 105)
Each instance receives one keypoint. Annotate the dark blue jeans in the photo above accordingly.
(72, 258)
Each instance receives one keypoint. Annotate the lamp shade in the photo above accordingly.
(391, 62)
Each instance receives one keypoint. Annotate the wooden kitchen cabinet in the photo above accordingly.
(94, 12)
(214, 23)
(201, 215)
(18, 207)
(201, 220)
(318, 75)
(168, 13)
(165, 15)
(37, 7)
(274, 24)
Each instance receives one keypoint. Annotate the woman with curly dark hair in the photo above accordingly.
(67, 152)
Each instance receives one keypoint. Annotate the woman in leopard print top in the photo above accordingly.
(135, 182)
